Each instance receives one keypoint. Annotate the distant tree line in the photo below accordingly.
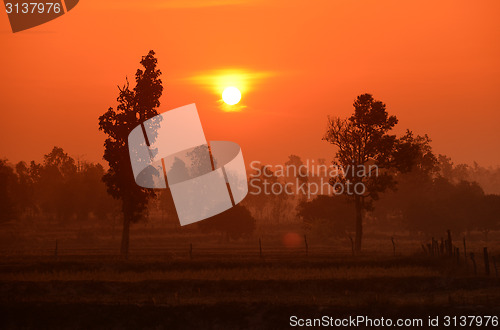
(429, 199)
(425, 201)
(59, 190)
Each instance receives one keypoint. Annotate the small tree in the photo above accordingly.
(327, 216)
(234, 223)
(134, 107)
(363, 139)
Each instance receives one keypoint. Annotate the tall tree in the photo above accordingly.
(134, 107)
(363, 142)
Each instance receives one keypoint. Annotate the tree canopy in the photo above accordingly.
(134, 107)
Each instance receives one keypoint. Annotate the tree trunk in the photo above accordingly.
(125, 235)
(359, 223)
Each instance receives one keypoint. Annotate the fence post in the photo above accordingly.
(352, 245)
(465, 250)
(450, 244)
(393, 246)
(260, 247)
(473, 262)
(486, 261)
(307, 246)
(495, 265)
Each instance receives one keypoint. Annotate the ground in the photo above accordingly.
(229, 285)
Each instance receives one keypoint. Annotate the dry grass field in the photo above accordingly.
(227, 285)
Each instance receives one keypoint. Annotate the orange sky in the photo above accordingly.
(436, 64)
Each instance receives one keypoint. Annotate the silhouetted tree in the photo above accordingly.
(93, 198)
(135, 106)
(327, 215)
(489, 215)
(413, 184)
(363, 139)
(25, 194)
(200, 162)
(178, 170)
(433, 197)
(488, 178)
(55, 184)
(445, 205)
(237, 222)
(296, 173)
(451, 172)
(59, 189)
(296, 169)
(267, 196)
(8, 185)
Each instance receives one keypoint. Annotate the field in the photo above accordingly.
(228, 285)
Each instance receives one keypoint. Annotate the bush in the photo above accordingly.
(235, 223)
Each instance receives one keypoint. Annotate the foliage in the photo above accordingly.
(8, 186)
(57, 189)
(237, 222)
(362, 140)
(328, 214)
(134, 107)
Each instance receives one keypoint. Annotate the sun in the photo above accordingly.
(231, 95)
